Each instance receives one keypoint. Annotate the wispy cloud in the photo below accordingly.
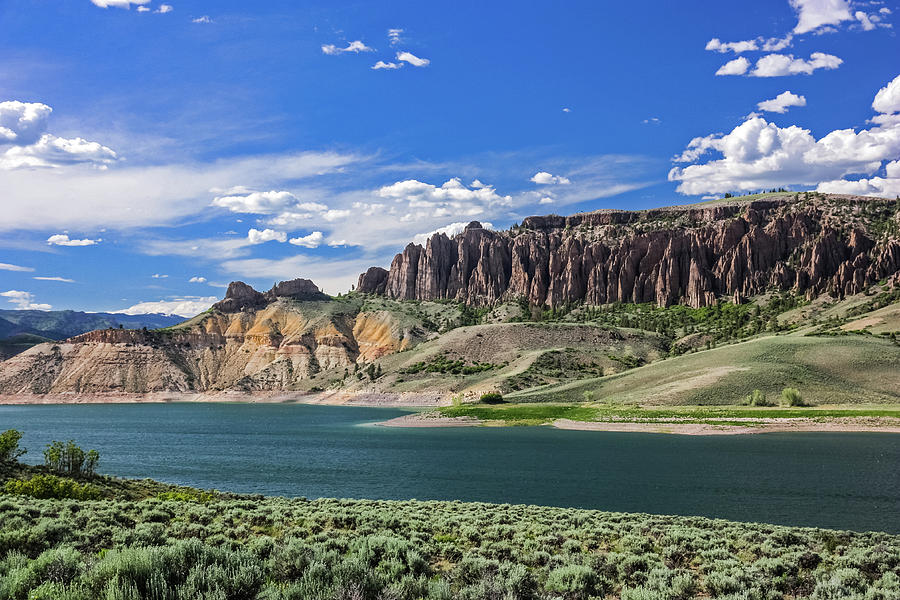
(355, 47)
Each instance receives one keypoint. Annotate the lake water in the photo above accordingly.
(845, 481)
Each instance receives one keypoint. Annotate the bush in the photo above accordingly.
(758, 398)
(9, 446)
(492, 398)
(792, 397)
(51, 486)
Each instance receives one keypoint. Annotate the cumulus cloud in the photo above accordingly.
(118, 3)
(255, 236)
(412, 59)
(780, 65)
(355, 46)
(425, 200)
(394, 36)
(187, 306)
(23, 134)
(60, 279)
(313, 240)
(9, 267)
(816, 14)
(24, 300)
(547, 200)
(738, 66)
(22, 123)
(451, 230)
(260, 203)
(758, 44)
(887, 100)
(782, 102)
(758, 154)
(62, 239)
(545, 178)
(386, 65)
(197, 279)
(164, 8)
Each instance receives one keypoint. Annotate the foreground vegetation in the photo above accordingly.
(255, 547)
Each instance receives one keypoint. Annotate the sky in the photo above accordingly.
(152, 152)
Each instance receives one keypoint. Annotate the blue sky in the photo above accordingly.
(152, 152)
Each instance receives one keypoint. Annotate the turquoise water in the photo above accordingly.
(846, 481)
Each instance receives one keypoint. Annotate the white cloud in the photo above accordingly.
(386, 65)
(23, 123)
(197, 279)
(760, 43)
(187, 306)
(886, 187)
(118, 3)
(61, 279)
(79, 197)
(652, 121)
(255, 236)
(547, 200)
(24, 300)
(413, 59)
(340, 243)
(567, 110)
(780, 65)
(204, 19)
(260, 203)
(158, 276)
(313, 240)
(355, 46)
(782, 102)
(336, 214)
(51, 151)
(394, 36)
(143, 9)
(738, 66)
(815, 14)
(545, 178)
(61, 239)
(164, 8)
(887, 100)
(451, 230)
(758, 154)
(452, 198)
(9, 267)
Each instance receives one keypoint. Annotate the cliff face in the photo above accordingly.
(249, 341)
(813, 244)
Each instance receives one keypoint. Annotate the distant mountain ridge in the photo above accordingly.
(21, 329)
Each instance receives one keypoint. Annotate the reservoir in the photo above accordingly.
(834, 480)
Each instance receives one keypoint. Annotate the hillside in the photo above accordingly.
(837, 346)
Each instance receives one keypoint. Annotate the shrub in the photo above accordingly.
(792, 397)
(51, 486)
(9, 446)
(758, 398)
(492, 398)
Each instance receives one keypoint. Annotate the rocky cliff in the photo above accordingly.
(693, 255)
(249, 340)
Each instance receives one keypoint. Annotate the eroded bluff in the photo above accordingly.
(248, 341)
(693, 255)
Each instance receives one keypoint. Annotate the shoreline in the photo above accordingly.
(366, 399)
(799, 425)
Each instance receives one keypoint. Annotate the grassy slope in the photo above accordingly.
(828, 370)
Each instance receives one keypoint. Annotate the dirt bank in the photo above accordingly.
(331, 398)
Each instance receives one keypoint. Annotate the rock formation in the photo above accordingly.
(248, 341)
(693, 255)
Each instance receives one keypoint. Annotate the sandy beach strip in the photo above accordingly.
(836, 425)
(430, 419)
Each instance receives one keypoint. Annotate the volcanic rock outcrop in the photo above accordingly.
(693, 255)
